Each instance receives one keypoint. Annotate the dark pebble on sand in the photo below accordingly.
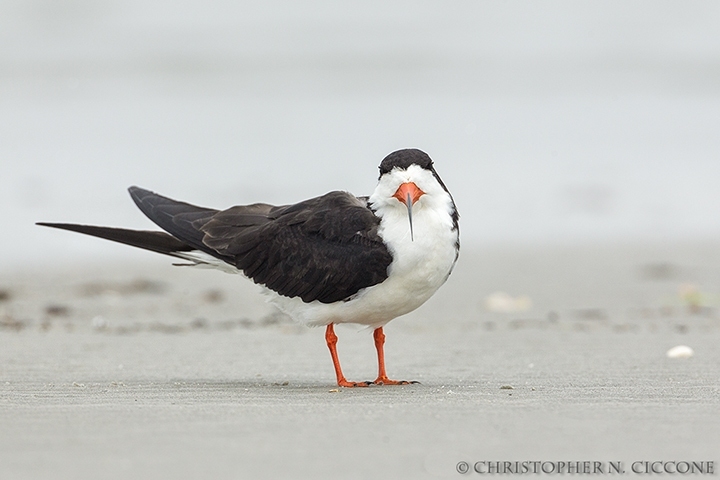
(56, 310)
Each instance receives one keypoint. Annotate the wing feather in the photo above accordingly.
(326, 248)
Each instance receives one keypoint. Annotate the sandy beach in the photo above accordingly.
(144, 370)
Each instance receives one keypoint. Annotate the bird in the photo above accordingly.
(332, 259)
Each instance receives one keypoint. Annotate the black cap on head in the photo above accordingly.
(404, 158)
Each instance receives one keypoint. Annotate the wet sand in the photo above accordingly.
(144, 370)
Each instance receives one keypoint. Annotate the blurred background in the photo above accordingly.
(552, 122)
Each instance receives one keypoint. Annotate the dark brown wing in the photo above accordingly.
(326, 248)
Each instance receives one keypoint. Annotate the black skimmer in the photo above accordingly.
(331, 259)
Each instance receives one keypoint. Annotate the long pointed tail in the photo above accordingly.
(154, 241)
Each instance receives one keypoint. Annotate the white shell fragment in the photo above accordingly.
(506, 303)
(680, 351)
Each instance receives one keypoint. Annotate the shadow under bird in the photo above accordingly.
(332, 259)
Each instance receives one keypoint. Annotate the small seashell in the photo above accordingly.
(99, 323)
(680, 351)
(505, 303)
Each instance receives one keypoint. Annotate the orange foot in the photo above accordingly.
(387, 381)
(346, 384)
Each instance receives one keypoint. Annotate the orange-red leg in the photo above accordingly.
(382, 378)
(331, 340)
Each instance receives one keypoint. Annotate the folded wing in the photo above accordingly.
(326, 248)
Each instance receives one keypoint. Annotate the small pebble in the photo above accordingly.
(680, 351)
(213, 296)
(57, 310)
(199, 323)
